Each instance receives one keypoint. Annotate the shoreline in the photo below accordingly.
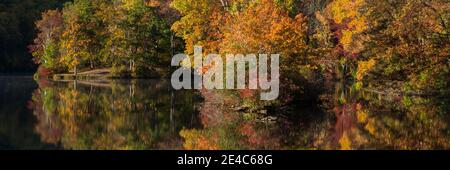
(100, 74)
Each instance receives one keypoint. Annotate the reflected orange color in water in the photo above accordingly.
(148, 115)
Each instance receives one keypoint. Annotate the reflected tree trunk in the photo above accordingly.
(75, 71)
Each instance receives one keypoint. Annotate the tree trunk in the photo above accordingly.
(131, 65)
(172, 50)
(224, 3)
(75, 70)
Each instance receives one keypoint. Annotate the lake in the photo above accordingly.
(149, 114)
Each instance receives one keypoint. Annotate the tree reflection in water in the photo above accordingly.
(352, 119)
(134, 114)
(146, 114)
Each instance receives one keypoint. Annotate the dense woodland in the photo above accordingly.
(404, 43)
(17, 30)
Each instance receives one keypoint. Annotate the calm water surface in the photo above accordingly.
(148, 114)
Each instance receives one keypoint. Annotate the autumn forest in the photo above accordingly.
(405, 43)
(355, 74)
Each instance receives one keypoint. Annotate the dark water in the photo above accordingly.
(123, 114)
(148, 114)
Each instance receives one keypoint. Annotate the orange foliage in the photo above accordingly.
(264, 27)
(196, 140)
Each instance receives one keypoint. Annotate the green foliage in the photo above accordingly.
(103, 33)
(50, 53)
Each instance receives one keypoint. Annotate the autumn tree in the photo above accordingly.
(200, 23)
(342, 37)
(264, 27)
(77, 39)
(411, 42)
(128, 35)
(45, 48)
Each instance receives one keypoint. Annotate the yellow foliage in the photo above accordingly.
(130, 4)
(361, 116)
(364, 67)
(358, 25)
(370, 126)
(347, 38)
(347, 15)
(344, 9)
(196, 140)
(345, 142)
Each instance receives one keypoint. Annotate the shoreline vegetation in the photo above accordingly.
(400, 47)
(101, 73)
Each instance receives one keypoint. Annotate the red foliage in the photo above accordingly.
(43, 72)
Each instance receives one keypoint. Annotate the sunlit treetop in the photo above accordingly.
(349, 19)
